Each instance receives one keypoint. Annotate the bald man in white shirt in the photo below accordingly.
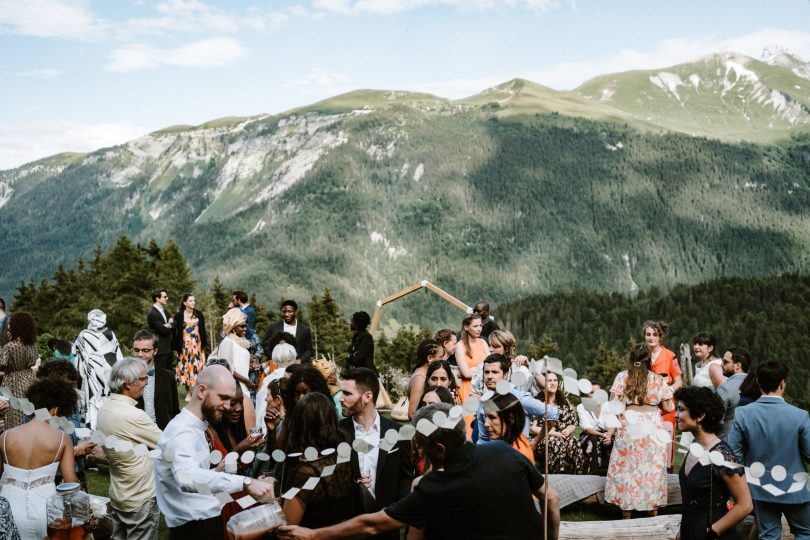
(192, 515)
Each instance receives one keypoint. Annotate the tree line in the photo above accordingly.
(768, 315)
(590, 331)
(119, 282)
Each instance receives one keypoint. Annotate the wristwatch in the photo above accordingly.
(247, 481)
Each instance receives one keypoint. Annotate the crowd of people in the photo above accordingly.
(267, 423)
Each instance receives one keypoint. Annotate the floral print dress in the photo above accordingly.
(564, 455)
(192, 356)
(636, 477)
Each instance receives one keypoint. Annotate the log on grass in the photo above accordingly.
(653, 528)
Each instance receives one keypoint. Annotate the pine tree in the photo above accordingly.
(330, 331)
(546, 347)
(607, 363)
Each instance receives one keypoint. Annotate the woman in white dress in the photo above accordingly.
(234, 349)
(31, 455)
(709, 368)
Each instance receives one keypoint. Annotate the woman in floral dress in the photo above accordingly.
(564, 452)
(636, 477)
(190, 342)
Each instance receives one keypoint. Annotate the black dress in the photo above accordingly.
(705, 496)
(333, 500)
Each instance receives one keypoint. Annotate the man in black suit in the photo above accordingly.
(161, 325)
(159, 399)
(482, 308)
(386, 470)
(291, 325)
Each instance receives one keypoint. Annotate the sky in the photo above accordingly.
(78, 75)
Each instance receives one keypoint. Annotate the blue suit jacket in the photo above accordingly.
(773, 433)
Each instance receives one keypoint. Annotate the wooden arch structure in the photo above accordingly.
(424, 284)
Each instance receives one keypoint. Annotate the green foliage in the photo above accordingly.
(118, 282)
(767, 315)
(330, 331)
(399, 353)
(607, 362)
(546, 347)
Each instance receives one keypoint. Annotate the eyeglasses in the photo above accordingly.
(136, 350)
(217, 362)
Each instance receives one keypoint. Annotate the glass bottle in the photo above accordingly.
(256, 522)
(68, 512)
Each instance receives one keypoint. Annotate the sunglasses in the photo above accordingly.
(217, 362)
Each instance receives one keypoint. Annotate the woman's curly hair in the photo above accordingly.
(702, 401)
(53, 392)
(21, 326)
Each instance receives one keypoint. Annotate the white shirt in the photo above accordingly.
(290, 329)
(177, 495)
(160, 309)
(588, 420)
(369, 461)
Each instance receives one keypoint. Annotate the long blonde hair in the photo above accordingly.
(640, 363)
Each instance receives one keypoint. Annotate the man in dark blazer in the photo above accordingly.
(291, 325)
(776, 435)
(160, 392)
(386, 470)
(161, 324)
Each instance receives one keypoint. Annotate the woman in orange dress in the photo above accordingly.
(665, 364)
(505, 421)
(470, 352)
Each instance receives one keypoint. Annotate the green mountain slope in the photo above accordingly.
(728, 96)
(516, 191)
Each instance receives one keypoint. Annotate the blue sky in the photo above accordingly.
(78, 75)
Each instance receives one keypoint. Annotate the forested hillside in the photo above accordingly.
(497, 196)
(769, 316)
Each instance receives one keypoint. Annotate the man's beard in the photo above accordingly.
(211, 414)
(353, 410)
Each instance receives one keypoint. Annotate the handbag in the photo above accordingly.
(400, 410)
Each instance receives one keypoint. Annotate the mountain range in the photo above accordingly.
(631, 180)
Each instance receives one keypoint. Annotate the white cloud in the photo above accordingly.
(181, 16)
(195, 16)
(23, 143)
(51, 19)
(207, 53)
(391, 7)
(320, 82)
(45, 73)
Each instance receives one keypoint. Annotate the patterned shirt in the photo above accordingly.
(149, 397)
